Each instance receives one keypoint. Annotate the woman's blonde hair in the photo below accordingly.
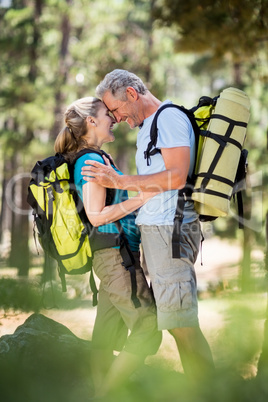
(70, 139)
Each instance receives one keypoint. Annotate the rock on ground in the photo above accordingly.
(44, 361)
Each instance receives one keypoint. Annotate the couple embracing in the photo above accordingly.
(171, 303)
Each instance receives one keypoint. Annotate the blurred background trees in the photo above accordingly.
(55, 51)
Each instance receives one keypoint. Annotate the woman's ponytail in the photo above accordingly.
(71, 138)
(65, 142)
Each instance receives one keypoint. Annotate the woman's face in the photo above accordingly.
(104, 124)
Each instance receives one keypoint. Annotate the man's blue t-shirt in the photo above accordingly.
(128, 222)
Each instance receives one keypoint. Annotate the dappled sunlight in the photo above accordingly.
(231, 321)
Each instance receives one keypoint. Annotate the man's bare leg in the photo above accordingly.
(194, 352)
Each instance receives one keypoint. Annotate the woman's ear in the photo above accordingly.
(91, 121)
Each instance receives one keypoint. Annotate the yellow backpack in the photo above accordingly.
(61, 224)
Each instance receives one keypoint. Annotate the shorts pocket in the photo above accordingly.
(161, 234)
(173, 293)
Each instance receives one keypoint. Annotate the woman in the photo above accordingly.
(89, 125)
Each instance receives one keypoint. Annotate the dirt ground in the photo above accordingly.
(220, 264)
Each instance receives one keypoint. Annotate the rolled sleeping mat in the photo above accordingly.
(220, 153)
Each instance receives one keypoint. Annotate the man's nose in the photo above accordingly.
(118, 118)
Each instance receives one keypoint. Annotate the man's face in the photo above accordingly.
(122, 110)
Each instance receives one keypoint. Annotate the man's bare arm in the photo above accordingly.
(177, 161)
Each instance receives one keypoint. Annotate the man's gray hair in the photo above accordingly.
(117, 81)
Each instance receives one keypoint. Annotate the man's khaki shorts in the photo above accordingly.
(173, 280)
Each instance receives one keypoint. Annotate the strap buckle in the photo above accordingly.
(178, 216)
(50, 194)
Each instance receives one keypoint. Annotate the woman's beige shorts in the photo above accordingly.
(118, 323)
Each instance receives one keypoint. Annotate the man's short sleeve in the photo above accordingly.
(174, 129)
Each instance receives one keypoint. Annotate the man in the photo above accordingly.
(173, 280)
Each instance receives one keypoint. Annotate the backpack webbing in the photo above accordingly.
(185, 193)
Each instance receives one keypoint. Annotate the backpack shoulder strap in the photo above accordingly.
(91, 150)
(110, 192)
(128, 262)
(154, 131)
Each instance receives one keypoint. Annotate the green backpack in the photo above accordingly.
(62, 226)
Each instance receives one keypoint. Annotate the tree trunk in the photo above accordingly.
(246, 261)
(19, 254)
(4, 208)
(246, 283)
(237, 75)
(122, 161)
(23, 240)
(14, 224)
(266, 251)
(62, 74)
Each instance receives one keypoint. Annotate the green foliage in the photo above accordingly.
(241, 339)
(19, 295)
(218, 27)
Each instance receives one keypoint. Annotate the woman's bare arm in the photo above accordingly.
(98, 214)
